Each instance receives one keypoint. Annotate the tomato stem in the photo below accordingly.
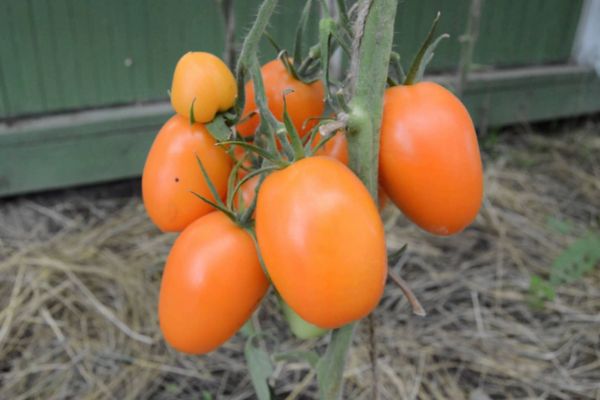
(373, 36)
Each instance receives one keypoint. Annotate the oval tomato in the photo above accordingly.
(172, 172)
(204, 79)
(322, 241)
(211, 284)
(305, 102)
(429, 159)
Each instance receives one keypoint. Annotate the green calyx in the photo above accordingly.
(422, 58)
(299, 327)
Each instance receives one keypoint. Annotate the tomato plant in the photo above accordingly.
(299, 191)
(304, 101)
(171, 173)
(204, 83)
(211, 284)
(322, 241)
(429, 160)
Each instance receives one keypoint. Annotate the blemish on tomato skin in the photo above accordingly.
(176, 180)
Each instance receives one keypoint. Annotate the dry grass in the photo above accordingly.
(79, 275)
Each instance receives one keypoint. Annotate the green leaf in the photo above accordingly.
(310, 64)
(330, 368)
(344, 20)
(249, 146)
(396, 67)
(260, 368)
(577, 259)
(248, 328)
(231, 181)
(310, 357)
(425, 54)
(559, 225)
(273, 42)
(289, 66)
(296, 142)
(206, 395)
(219, 129)
(540, 291)
(325, 28)
(209, 183)
(215, 205)
(312, 134)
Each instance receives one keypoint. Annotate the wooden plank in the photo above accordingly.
(88, 147)
(530, 94)
(50, 65)
(83, 46)
(65, 54)
(103, 145)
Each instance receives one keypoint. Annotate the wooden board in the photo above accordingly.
(103, 145)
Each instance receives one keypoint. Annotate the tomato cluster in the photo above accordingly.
(311, 220)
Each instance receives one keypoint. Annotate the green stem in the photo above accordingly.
(366, 106)
(250, 46)
(372, 48)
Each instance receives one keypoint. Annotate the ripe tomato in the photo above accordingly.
(322, 241)
(204, 79)
(211, 284)
(336, 147)
(429, 161)
(172, 172)
(305, 102)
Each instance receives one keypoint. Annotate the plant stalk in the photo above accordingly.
(374, 32)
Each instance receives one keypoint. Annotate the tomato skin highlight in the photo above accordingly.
(204, 79)
(305, 102)
(211, 284)
(322, 241)
(172, 172)
(429, 161)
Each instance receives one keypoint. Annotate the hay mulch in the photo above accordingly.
(80, 271)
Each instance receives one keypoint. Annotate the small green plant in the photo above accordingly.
(570, 265)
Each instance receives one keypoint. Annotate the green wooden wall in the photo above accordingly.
(63, 55)
(66, 64)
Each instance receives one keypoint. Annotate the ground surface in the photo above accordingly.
(79, 276)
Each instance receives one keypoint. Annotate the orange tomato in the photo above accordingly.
(322, 241)
(305, 102)
(211, 284)
(336, 147)
(204, 79)
(172, 172)
(429, 160)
